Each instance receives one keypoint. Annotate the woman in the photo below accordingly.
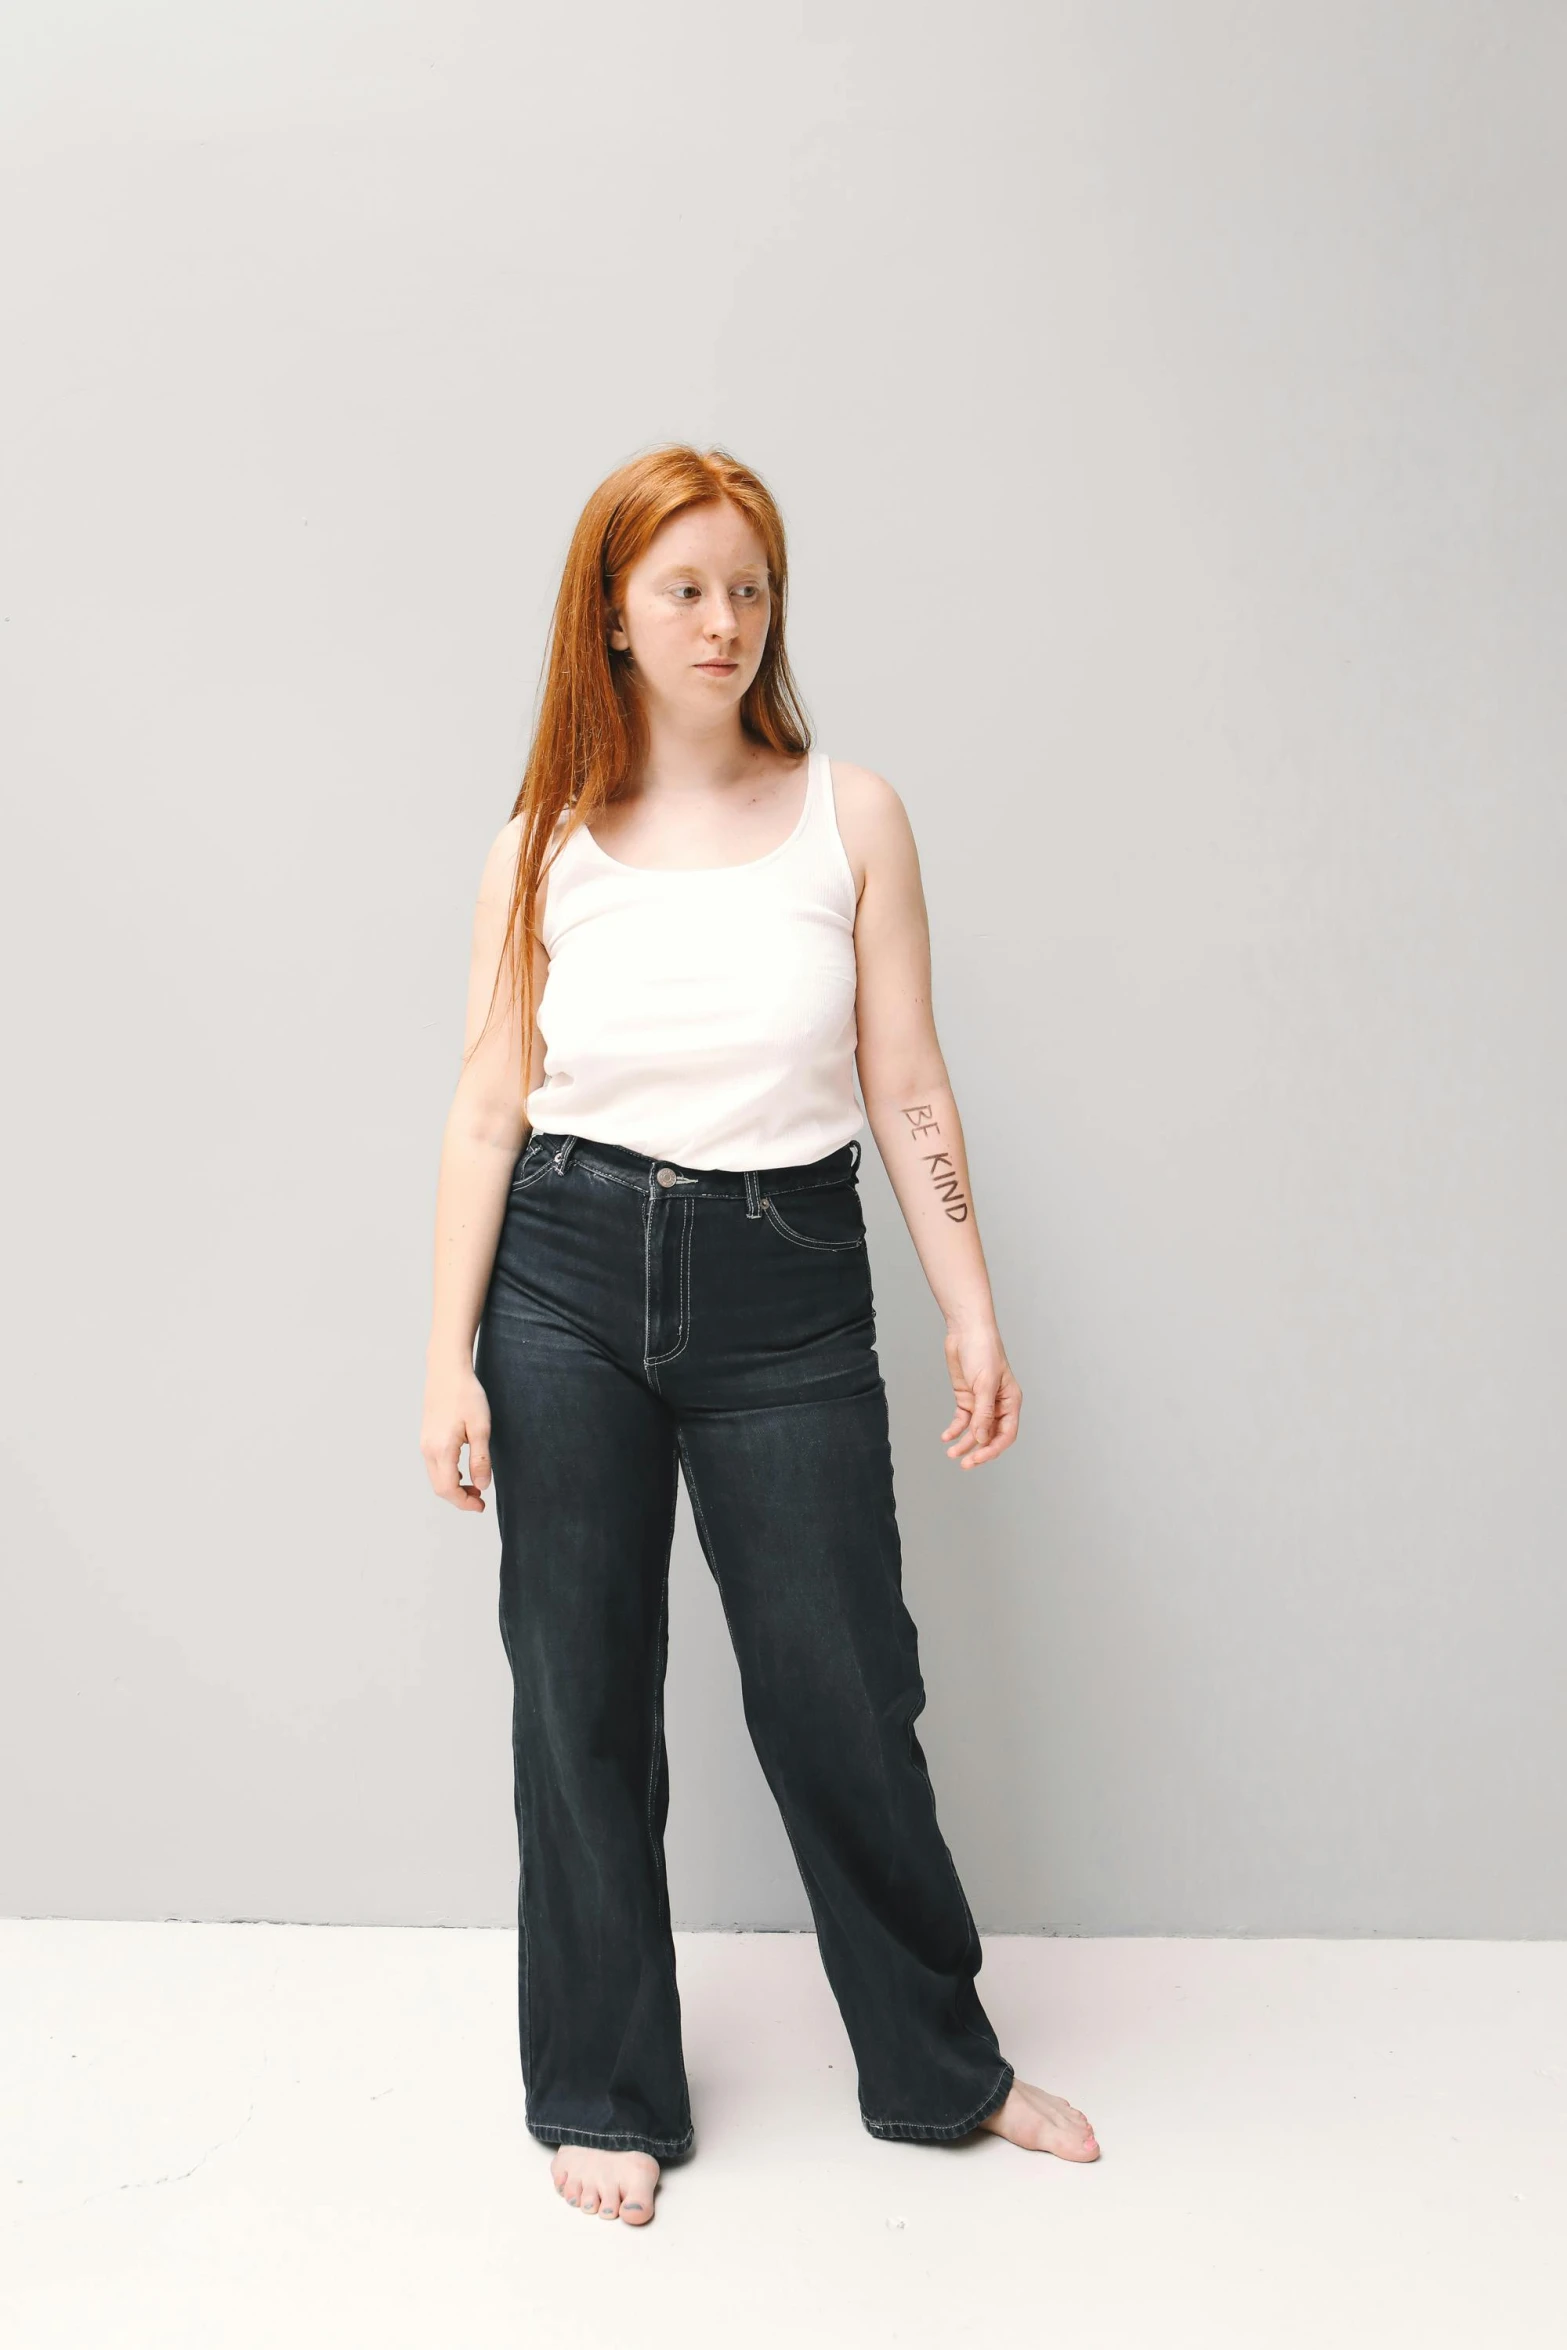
(672, 1279)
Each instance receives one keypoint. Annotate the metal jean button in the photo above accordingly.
(666, 1176)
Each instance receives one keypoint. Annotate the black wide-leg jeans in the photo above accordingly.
(647, 1320)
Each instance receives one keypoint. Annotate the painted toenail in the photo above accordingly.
(633, 2207)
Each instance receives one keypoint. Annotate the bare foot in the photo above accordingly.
(1045, 2124)
(603, 2179)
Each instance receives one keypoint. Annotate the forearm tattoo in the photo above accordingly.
(943, 1174)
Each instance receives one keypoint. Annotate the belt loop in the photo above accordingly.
(753, 1192)
(568, 1145)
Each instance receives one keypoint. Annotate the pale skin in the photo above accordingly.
(709, 795)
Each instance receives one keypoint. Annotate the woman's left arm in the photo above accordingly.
(911, 1111)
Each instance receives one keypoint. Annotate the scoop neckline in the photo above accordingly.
(746, 864)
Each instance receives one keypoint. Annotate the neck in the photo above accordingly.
(686, 761)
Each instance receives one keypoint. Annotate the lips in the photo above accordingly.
(724, 665)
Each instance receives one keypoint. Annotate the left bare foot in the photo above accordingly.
(1044, 2124)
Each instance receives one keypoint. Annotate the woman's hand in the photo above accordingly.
(456, 1412)
(989, 1399)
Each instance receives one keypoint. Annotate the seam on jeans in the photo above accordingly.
(647, 1285)
(844, 1180)
(557, 2134)
(682, 1289)
(525, 1182)
(923, 1771)
(803, 1239)
(698, 1513)
(606, 1175)
(658, 1688)
(525, 1966)
(527, 1945)
(994, 2098)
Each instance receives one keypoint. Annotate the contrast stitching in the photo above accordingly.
(803, 1239)
(608, 1175)
(647, 1277)
(993, 2099)
(557, 2134)
(682, 1290)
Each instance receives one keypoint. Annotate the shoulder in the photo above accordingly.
(500, 864)
(872, 820)
(504, 849)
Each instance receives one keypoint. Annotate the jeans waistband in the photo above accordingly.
(642, 1173)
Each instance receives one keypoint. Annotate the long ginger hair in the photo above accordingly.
(591, 734)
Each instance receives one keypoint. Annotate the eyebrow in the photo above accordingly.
(741, 571)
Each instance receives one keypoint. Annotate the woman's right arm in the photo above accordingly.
(485, 1130)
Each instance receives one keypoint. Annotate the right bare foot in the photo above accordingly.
(602, 2179)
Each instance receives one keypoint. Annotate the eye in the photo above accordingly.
(684, 589)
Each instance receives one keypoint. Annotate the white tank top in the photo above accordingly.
(704, 1014)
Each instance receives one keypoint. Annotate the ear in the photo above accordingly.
(618, 639)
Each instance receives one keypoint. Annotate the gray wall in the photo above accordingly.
(1165, 403)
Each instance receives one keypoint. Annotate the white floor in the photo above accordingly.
(236, 2135)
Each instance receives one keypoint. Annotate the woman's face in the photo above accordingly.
(696, 611)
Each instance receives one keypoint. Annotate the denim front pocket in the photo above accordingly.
(827, 1215)
(533, 1163)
